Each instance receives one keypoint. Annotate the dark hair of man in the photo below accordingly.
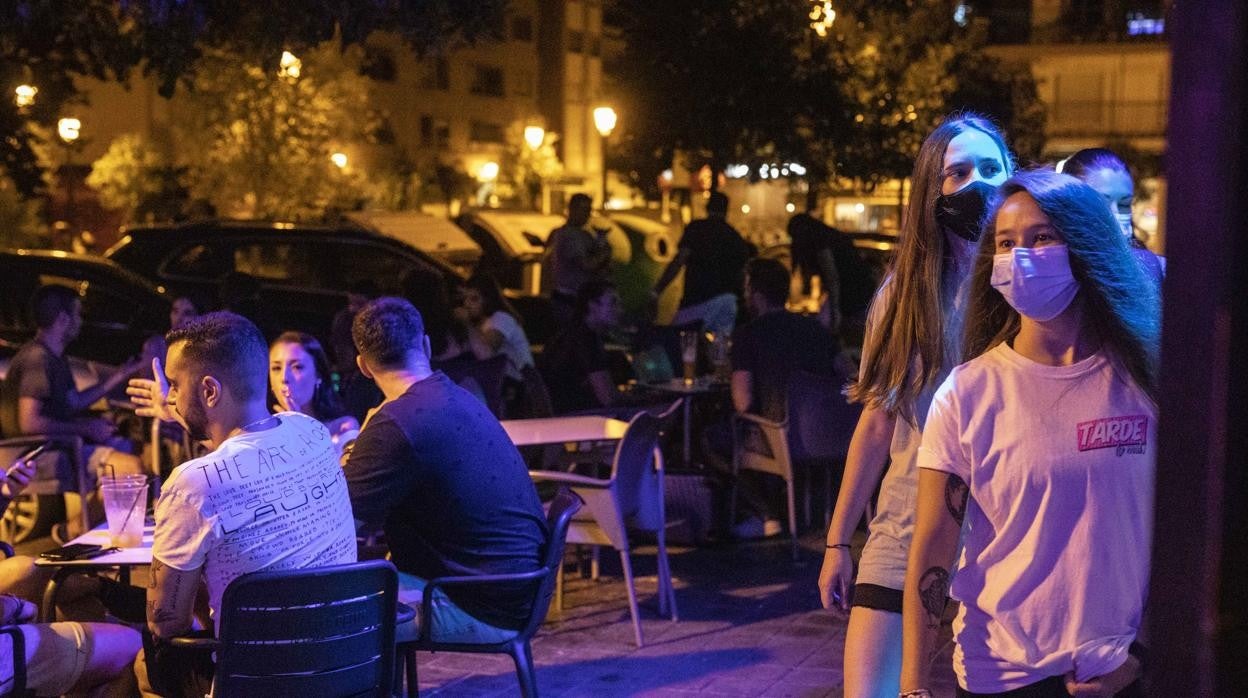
(718, 204)
(1126, 322)
(48, 302)
(770, 278)
(590, 292)
(227, 347)
(325, 403)
(386, 330)
(580, 200)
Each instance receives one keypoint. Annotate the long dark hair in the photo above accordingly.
(1089, 160)
(492, 298)
(917, 331)
(1126, 322)
(325, 405)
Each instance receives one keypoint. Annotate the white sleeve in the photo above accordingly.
(183, 536)
(941, 448)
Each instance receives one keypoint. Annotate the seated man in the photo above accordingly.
(765, 353)
(435, 467)
(47, 402)
(574, 363)
(270, 496)
(67, 656)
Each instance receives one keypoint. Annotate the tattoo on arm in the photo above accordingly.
(956, 495)
(933, 592)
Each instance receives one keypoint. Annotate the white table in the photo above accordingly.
(125, 558)
(562, 430)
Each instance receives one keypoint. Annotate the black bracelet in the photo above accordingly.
(838, 545)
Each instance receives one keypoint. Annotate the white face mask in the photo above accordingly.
(1035, 281)
(1124, 222)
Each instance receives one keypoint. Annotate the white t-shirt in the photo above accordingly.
(265, 500)
(515, 343)
(1059, 461)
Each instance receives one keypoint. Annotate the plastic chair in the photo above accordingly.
(542, 580)
(633, 494)
(816, 431)
(326, 631)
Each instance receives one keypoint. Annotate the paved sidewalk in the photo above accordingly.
(750, 625)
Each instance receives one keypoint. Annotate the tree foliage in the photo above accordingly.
(48, 43)
(748, 81)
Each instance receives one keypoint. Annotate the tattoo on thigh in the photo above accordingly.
(956, 495)
(933, 592)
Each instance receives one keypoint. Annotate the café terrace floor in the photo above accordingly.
(750, 625)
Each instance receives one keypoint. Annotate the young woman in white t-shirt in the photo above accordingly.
(1040, 451)
(911, 343)
(492, 324)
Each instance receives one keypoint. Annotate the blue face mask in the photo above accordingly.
(1035, 281)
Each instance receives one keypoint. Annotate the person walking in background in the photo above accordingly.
(713, 255)
(911, 343)
(819, 249)
(1041, 449)
(1110, 177)
(574, 256)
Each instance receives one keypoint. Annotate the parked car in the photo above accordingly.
(295, 276)
(120, 309)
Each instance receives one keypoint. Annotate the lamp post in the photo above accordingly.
(604, 121)
(535, 137)
(69, 129)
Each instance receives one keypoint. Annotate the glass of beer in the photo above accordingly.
(689, 355)
(125, 507)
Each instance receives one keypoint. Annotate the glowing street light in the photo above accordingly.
(534, 136)
(339, 160)
(488, 172)
(69, 129)
(604, 121)
(289, 66)
(821, 17)
(24, 95)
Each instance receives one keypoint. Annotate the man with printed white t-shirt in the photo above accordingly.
(270, 496)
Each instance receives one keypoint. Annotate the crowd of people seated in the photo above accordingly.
(395, 428)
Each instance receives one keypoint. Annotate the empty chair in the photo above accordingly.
(542, 581)
(632, 494)
(326, 631)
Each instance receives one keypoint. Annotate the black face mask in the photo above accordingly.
(962, 212)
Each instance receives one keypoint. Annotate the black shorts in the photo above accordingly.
(877, 597)
(1052, 687)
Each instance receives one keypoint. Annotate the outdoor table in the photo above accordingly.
(687, 391)
(562, 430)
(124, 559)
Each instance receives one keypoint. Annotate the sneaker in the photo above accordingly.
(755, 528)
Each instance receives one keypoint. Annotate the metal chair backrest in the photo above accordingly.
(558, 517)
(821, 421)
(326, 631)
(13, 643)
(633, 465)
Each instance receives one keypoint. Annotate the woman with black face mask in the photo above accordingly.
(911, 344)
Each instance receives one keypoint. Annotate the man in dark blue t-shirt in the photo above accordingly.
(436, 469)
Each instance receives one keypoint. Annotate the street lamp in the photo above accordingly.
(604, 121)
(534, 136)
(821, 17)
(24, 95)
(339, 160)
(289, 66)
(69, 129)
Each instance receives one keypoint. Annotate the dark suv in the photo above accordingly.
(300, 274)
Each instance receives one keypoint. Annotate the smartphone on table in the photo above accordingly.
(76, 551)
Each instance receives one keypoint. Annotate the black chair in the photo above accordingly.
(14, 685)
(483, 375)
(541, 580)
(326, 631)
